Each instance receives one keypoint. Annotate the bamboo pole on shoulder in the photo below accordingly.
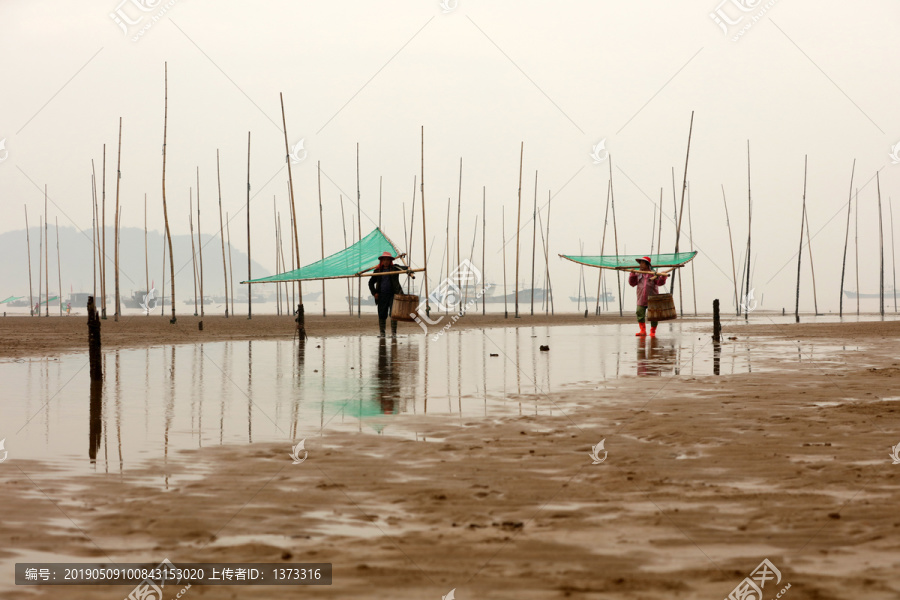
(681, 211)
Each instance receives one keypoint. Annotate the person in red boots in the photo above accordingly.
(647, 284)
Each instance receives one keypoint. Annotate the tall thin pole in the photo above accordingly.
(483, 234)
(349, 289)
(749, 223)
(103, 239)
(412, 223)
(602, 240)
(193, 246)
(519, 226)
(731, 245)
(893, 255)
(424, 238)
(146, 255)
(40, 262)
(294, 220)
(691, 234)
(221, 233)
(681, 208)
(359, 234)
(534, 242)
(230, 264)
(856, 236)
(549, 281)
(277, 256)
(116, 237)
(800, 251)
(321, 228)
(811, 266)
(653, 228)
(249, 277)
(28, 245)
(165, 211)
(846, 239)
(379, 202)
(880, 247)
(95, 239)
(59, 269)
(459, 213)
(447, 234)
(546, 299)
(505, 309)
(200, 243)
(46, 253)
(612, 202)
(162, 282)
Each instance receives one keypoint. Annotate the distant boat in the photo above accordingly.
(889, 291)
(607, 297)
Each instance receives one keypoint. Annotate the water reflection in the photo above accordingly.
(655, 357)
(95, 423)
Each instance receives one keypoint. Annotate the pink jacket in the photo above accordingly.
(645, 286)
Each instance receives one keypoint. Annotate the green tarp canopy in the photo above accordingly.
(11, 299)
(349, 262)
(629, 261)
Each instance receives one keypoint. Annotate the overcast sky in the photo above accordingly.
(807, 77)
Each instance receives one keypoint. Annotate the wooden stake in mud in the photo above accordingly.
(94, 354)
(118, 303)
(249, 277)
(28, 244)
(717, 325)
(424, 238)
(200, 243)
(534, 243)
(46, 254)
(505, 309)
(230, 281)
(322, 227)
(800, 252)
(165, 211)
(731, 245)
(880, 248)
(193, 246)
(221, 234)
(519, 226)
(846, 240)
(59, 268)
(103, 240)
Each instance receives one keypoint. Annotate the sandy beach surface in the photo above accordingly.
(705, 477)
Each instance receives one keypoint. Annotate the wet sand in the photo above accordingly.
(705, 477)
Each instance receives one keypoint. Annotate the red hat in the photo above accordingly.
(645, 258)
(386, 255)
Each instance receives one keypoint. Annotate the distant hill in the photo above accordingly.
(77, 270)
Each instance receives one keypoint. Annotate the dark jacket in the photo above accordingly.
(385, 285)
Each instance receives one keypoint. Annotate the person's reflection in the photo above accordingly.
(95, 424)
(653, 357)
(388, 386)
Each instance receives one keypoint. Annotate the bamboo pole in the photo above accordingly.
(546, 299)
(447, 246)
(162, 281)
(230, 281)
(301, 326)
(534, 242)
(800, 251)
(321, 227)
(602, 242)
(424, 238)
(880, 247)
(193, 247)
(379, 202)
(349, 289)
(412, 223)
(359, 234)
(691, 234)
(458, 213)
(519, 226)
(549, 281)
(681, 211)
(731, 245)
(277, 242)
(40, 261)
(856, 236)
(59, 267)
(118, 303)
(811, 266)
(612, 201)
(95, 239)
(221, 233)
(46, 253)
(165, 211)
(505, 308)
(471, 256)
(146, 254)
(653, 228)
(846, 240)
(200, 245)
(893, 255)
(249, 276)
(102, 242)
(483, 234)
(295, 258)
(28, 246)
(749, 224)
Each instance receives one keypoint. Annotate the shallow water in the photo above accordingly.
(156, 401)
